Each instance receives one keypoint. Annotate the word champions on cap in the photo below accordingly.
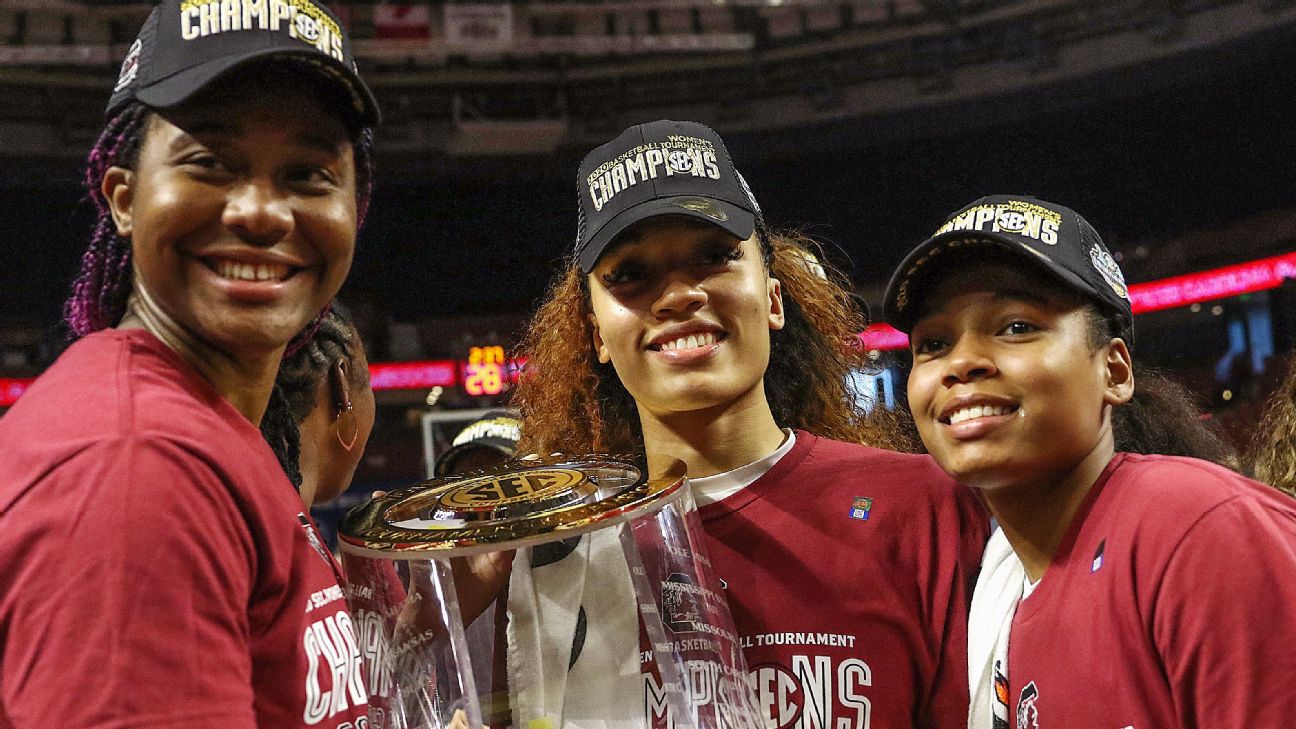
(300, 19)
(677, 155)
(1015, 216)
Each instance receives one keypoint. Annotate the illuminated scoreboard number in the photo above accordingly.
(483, 374)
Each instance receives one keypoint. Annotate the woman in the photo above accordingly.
(156, 567)
(322, 410)
(682, 330)
(1155, 590)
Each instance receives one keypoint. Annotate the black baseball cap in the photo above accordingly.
(498, 430)
(1053, 236)
(185, 45)
(659, 168)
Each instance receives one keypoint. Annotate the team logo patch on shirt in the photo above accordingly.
(861, 507)
(1000, 709)
(1027, 712)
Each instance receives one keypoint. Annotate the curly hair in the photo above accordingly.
(1272, 453)
(102, 287)
(572, 403)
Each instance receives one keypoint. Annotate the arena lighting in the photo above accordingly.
(420, 375)
(882, 336)
(1166, 293)
(1220, 283)
(11, 388)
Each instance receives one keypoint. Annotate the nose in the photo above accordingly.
(968, 361)
(258, 213)
(679, 294)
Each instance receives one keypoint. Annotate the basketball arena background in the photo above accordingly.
(1167, 123)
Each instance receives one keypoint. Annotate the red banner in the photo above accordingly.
(402, 21)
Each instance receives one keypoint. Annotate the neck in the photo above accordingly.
(1035, 515)
(312, 432)
(307, 466)
(712, 440)
(246, 382)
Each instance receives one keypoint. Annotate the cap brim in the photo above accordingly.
(901, 304)
(178, 88)
(446, 461)
(736, 221)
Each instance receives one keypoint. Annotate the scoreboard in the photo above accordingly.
(484, 371)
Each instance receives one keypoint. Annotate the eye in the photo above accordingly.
(313, 178)
(623, 273)
(927, 345)
(719, 253)
(1019, 327)
(203, 161)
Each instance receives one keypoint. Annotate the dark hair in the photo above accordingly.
(1162, 417)
(103, 285)
(572, 403)
(98, 299)
(298, 381)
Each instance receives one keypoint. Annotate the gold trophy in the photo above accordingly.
(559, 593)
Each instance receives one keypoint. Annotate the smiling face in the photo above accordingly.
(683, 311)
(241, 212)
(1007, 387)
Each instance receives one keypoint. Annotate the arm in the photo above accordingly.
(128, 604)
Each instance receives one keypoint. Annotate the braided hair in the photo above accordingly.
(99, 293)
(103, 285)
(298, 382)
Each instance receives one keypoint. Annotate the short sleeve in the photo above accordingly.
(127, 606)
(1224, 618)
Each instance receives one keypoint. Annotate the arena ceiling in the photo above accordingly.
(866, 121)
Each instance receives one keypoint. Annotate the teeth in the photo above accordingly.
(250, 272)
(692, 341)
(976, 411)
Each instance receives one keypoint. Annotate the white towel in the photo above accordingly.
(603, 688)
(994, 602)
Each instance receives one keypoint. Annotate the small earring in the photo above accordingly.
(346, 419)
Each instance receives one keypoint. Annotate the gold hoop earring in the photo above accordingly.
(346, 420)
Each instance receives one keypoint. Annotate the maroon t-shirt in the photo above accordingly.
(848, 571)
(1171, 604)
(156, 567)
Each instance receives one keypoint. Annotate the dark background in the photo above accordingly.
(1146, 155)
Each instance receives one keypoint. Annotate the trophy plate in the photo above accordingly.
(519, 503)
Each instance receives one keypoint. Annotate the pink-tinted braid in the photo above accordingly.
(101, 288)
